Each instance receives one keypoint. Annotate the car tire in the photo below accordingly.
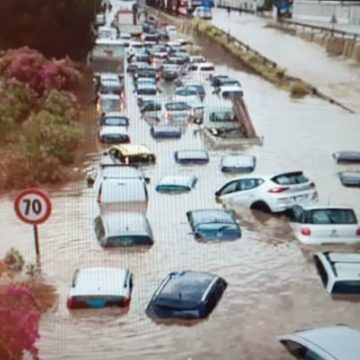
(261, 206)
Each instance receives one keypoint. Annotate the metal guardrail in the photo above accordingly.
(332, 31)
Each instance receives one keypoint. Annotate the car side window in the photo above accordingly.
(230, 188)
(248, 184)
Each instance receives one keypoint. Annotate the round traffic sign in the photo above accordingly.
(32, 206)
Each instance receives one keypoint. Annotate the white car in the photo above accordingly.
(107, 32)
(230, 91)
(177, 111)
(113, 135)
(202, 12)
(315, 224)
(339, 272)
(191, 96)
(99, 287)
(270, 193)
(330, 343)
(202, 71)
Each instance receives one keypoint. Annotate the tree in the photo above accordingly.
(57, 28)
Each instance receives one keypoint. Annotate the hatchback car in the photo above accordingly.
(339, 272)
(145, 92)
(132, 154)
(315, 224)
(213, 224)
(330, 343)
(347, 156)
(226, 81)
(114, 119)
(185, 157)
(176, 184)
(170, 72)
(270, 193)
(99, 287)
(186, 295)
(350, 178)
(177, 111)
(165, 132)
(109, 83)
(123, 229)
(196, 59)
(113, 135)
(236, 163)
(109, 103)
(221, 117)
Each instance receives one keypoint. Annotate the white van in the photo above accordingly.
(123, 195)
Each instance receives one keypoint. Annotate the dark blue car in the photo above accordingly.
(213, 224)
(186, 295)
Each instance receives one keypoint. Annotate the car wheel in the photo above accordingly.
(261, 206)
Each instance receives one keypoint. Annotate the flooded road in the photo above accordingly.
(334, 76)
(273, 286)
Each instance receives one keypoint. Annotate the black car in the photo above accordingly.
(186, 295)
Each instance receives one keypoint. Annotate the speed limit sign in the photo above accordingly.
(33, 206)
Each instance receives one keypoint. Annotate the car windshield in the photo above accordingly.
(333, 216)
(115, 121)
(152, 107)
(207, 68)
(129, 240)
(146, 91)
(222, 116)
(229, 82)
(177, 106)
(186, 92)
(217, 227)
(109, 104)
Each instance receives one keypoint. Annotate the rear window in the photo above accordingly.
(222, 116)
(290, 179)
(207, 68)
(177, 106)
(115, 121)
(146, 91)
(109, 104)
(347, 287)
(332, 216)
(186, 92)
(152, 107)
(128, 240)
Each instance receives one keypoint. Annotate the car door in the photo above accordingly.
(247, 192)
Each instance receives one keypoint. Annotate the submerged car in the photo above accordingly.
(177, 111)
(133, 154)
(235, 163)
(165, 132)
(176, 184)
(316, 224)
(109, 103)
(339, 272)
(347, 156)
(331, 343)
(350, 178)
(119, 229)
(269, 193)
(213, 224)
(186, 295)
(113, 128)
(99, 287)
(186, 157)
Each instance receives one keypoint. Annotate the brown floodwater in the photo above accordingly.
(273, 286)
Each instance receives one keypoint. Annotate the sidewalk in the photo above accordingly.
(333, 76)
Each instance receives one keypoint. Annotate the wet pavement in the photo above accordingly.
(336, 77)
(273, 286)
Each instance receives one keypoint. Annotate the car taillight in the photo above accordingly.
(73, 303)
(278, 189)
(125, 302)
(358, 232)
(305, 231)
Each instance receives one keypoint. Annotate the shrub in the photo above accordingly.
(299, 89)
(32, 68)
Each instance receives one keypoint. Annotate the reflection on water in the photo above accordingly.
(273, 286)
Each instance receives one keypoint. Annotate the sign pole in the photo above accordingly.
(36, 237)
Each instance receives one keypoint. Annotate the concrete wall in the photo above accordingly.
(347, 13)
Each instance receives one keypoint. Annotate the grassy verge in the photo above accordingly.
(253, 60)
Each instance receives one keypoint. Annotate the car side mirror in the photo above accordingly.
(217, 193)
(147, 180)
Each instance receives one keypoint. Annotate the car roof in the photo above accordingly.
(230, 88)
(109, 97)
(238, 160)
(314, 205)
(186, 287)
(125, 223)
(343, 265)
(129, 190)
(133, 149)
(347, 155)
(100, 281)
(206, 216)
(120, 171)
(192, 154)
(339, 342)
(108, 129)
(179, 180)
